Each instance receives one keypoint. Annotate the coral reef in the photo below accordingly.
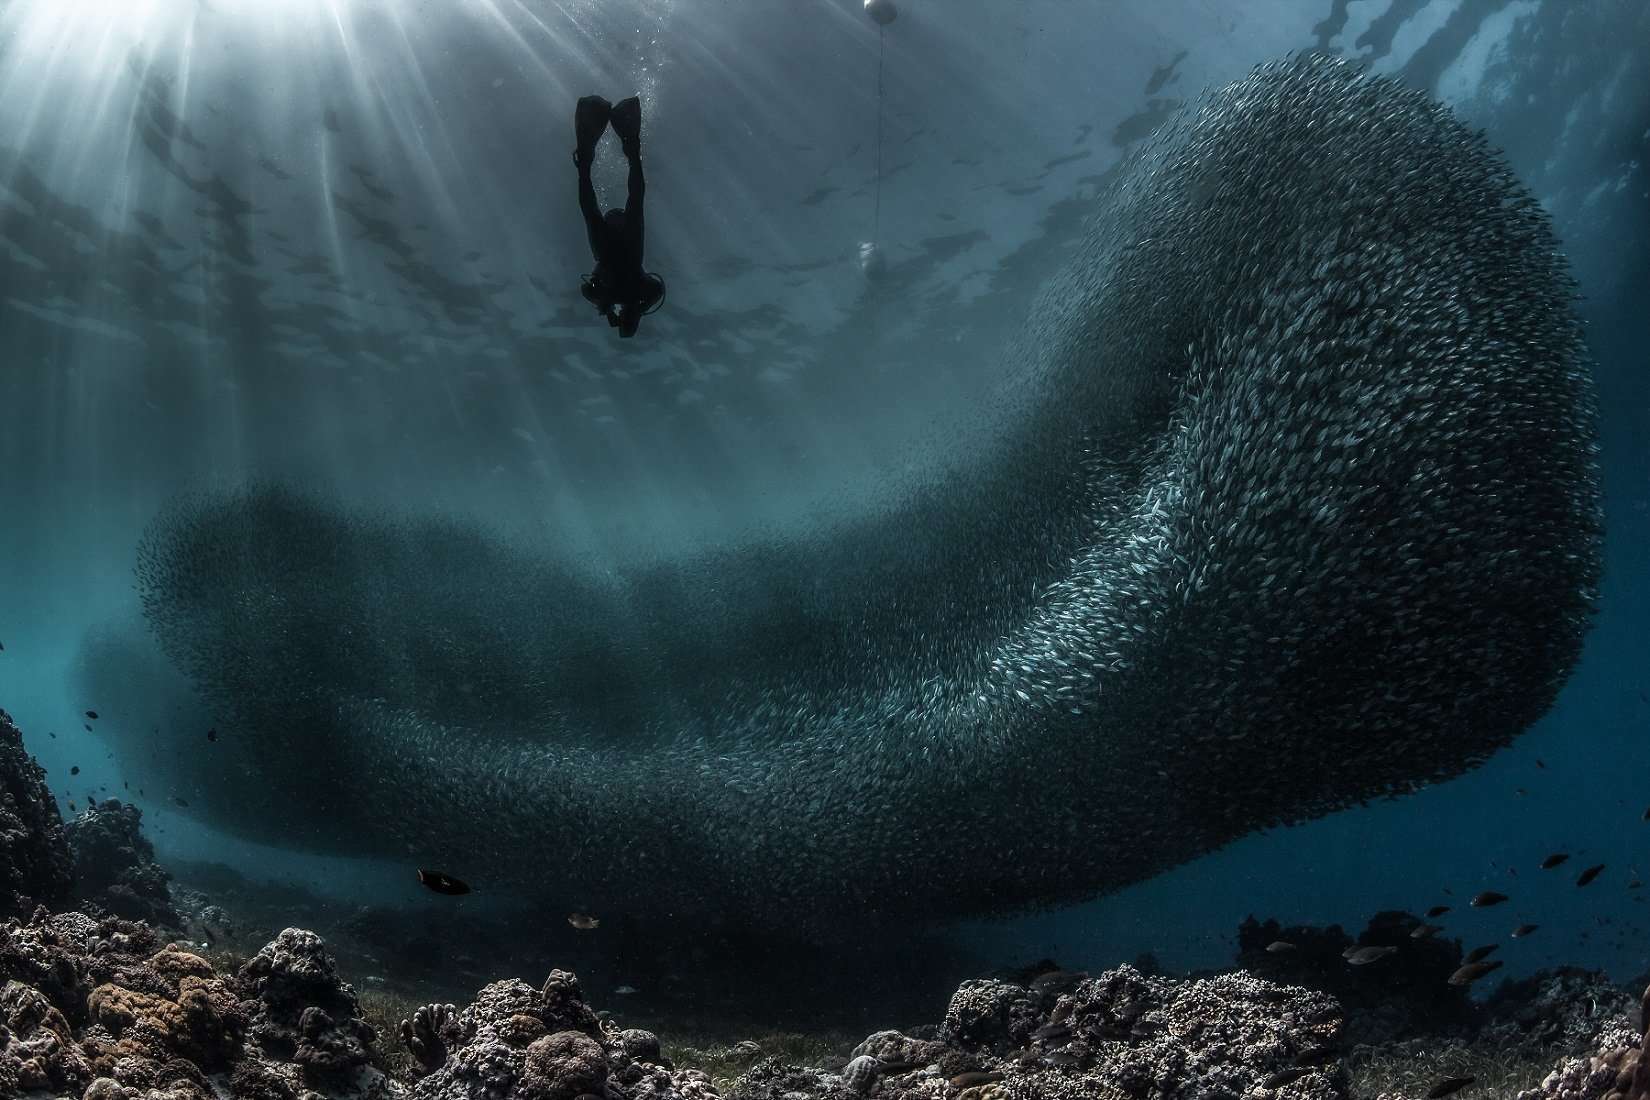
(34, 860)
(1325, 527)
(1565, 1010)
(102, 1007)
(114, 865)
(1619, 1070)
(522, 1043)
(1119, 1034)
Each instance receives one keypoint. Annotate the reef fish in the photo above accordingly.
(1479, 953)
(442, 883)
(1486, 898)
(1554, 860)
(1447, 1086)
(1589, 874)
(1363, 956)
(1471, 972)
(584, 922)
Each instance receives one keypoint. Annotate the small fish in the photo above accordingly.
(1061, 1058)
(212, 735)
(1426, 931)
(975, 1077)
(1286, 1076)
(1471, 972)
(1524, 930)
(1646, 816)
(440, 883)
(1448, 1085)
(1437, 911)
(72, 808)
(92, 714)
(1479, 953)
(1487, 898)
(584, 922)
(1589, 874)
(75, 770)
(178, 800)
(1051, 1031)
(624, 990)
(1279, 947)
(87, 727)
(1634, 883)
(1540, 763)
(1363, 956)
(1546, 865)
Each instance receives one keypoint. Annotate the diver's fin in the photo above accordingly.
(627, 123)
(589, 123)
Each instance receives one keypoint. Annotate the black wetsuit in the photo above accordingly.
(618, 287)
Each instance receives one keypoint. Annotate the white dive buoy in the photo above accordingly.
(882, 11)
(871, 263)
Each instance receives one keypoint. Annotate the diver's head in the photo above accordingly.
(614, 219)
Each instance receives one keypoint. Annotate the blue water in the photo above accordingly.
(423, 350)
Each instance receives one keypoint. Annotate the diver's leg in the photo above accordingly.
(593, 225)
(626, 119)
(634, 228)
(590, 120)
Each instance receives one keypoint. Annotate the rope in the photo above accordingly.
(876, 231)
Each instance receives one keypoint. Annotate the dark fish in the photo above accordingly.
(975, 1077)
(92, 714)
(1473, 971)
(1589, 874)
(1278, 947)
(1546, 865)
(1061, 1058)
(75, 770)
(1488, 897)
(1425, 931)
(72, 807)
(1051, 1031)
(1286, 1076)
(887, 1066)
(1646, 816)
(1540, 763)
(1524, 930)
(178, 800)
(1437, 911)
(440, 883)
(212, 735)
(88, 728)
(1317, 1056)
(1363, 956)
(54, 737)
(1479, 953)
(1634, 884)
(1448, 1085)
(584, 922)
